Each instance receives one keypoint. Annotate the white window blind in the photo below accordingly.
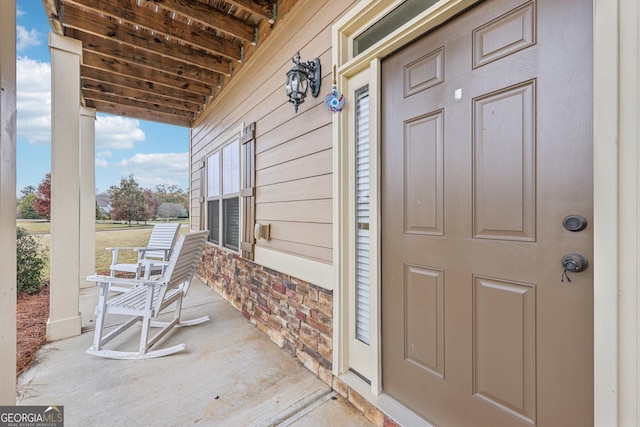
(362, 301)
(231, 168)
(213, 175)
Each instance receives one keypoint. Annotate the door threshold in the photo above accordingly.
(387, 404)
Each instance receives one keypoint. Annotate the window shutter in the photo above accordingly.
(362, 261)
(248, 191)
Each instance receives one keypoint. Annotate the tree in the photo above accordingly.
(127, 201)
(27, 209)
(172, 194)
(171, 210)
(29, 189)
(43, 202)
(152, 202)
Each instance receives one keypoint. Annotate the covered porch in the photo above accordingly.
(230, 374)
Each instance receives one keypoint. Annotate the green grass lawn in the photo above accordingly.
(107, 236)
(39, 226)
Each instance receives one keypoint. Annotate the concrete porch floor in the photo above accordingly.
(231, 374)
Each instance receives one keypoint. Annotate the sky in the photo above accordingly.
(154, 153)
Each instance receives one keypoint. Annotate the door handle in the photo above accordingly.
(574, 263)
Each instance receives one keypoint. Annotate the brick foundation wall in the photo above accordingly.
(297, 316)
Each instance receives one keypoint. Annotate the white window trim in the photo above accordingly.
(227, 138)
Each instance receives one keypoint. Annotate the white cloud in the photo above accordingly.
(157, 168)
(33, 84)
(101, 158)
(33, 81)
(117, 133)
(26, 38)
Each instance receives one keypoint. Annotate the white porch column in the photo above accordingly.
(7, 202)
(87, 195)
(64, 317)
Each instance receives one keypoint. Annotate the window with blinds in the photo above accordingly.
(223, 196)
(362, 261)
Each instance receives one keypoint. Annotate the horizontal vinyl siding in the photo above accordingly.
(303, 145)
(316, 187)
(318, 211)
(304, 167)
(293, 151)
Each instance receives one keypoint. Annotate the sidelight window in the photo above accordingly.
(362, 300)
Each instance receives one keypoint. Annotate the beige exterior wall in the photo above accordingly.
(293, 151)
(8, 202)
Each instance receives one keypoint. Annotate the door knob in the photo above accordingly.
(574, 263)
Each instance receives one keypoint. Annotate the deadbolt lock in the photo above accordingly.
(574, 263)
(574, 222)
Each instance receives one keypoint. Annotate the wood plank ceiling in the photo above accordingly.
(161, 60)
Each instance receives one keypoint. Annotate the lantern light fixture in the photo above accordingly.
(301, 77)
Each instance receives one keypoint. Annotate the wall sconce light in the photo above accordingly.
(299, 78)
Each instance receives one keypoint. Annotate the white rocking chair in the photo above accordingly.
(152, 257)
(146, 299)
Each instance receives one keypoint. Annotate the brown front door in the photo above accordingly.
(486, 148)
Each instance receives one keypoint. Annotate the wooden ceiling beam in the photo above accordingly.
(142, 85)
(136, 103)
(262, 8)
(51, 9)
(156, 76)
(160, 25)
(89, 84)
(155, 45)
(139, 113)
(210, 17)
(109, 47)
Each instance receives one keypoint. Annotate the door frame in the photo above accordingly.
(616, 186)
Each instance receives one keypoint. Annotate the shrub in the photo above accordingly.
(31, 262)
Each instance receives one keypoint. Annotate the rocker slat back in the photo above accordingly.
(183, 262)
(162, 237)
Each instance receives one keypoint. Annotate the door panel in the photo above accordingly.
(486, 147)
(504, 164)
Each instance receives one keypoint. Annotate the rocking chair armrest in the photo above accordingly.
(128, 248)
(145, 249)
(136, 248)
(99, 278)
